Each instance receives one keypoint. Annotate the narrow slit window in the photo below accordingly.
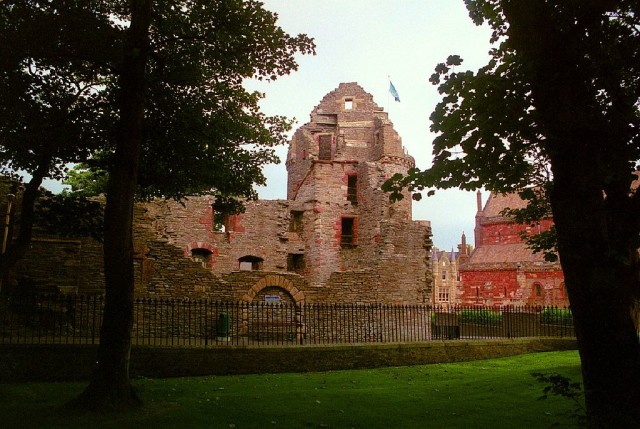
(352, 188)
(538, 289)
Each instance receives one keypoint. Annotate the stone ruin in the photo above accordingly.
(336, 238)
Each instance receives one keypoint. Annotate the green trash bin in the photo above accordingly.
(222, 328)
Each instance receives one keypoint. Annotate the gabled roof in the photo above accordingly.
(331, 102)
(439, 254)
(496, 203)
(504, 253)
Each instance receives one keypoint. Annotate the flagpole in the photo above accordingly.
(388, 101)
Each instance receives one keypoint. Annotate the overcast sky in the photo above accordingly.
(368, 41)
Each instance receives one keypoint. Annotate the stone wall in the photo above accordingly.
(55, 264)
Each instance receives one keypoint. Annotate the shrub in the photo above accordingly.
(480, 316)
(560, 385)
(556, 316)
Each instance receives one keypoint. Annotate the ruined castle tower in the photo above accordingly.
(336, 165)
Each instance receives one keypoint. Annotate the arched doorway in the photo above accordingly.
(274, 312)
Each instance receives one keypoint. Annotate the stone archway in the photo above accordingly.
(277, 281)
(282, 322)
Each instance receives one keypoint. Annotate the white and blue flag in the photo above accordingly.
(392, 90)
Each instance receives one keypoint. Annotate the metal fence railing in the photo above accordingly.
(76, 319)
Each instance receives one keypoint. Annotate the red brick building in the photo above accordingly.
(502, 270)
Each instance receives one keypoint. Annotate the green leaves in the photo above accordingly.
(70, 216)
(203, 130)
(560, 385)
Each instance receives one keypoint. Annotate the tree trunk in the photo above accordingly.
(110, 387)
(599, 277)
(591, 206)
(18, 247)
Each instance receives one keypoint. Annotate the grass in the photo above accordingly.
(498, 393)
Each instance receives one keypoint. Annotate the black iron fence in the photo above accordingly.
(76, 319)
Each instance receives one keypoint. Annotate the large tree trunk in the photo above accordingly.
(600, 272)
(110, 387)
(592, 210)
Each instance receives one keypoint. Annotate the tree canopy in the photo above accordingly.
(203, 130)
(554, 116)
(155, 84)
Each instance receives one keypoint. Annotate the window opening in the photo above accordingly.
(444, 275)
(538, 289)
(250, 263)
(348, 103)
(220, 220)
(347, 238)
(295, 221)
(443, 295)
(222, 209)
(295, 262)
(352, 188)
(202, 256)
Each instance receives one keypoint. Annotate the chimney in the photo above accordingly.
(464, 255)
(477, 232)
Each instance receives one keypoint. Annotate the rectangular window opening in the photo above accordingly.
(295, 221)
(348, 232)
(352, 188)
(348, 103)
(295, 262)
(246, 266)
(220, 220)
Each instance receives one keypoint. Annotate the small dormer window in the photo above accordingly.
(348, 103)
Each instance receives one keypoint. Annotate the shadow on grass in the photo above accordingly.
(498, 393)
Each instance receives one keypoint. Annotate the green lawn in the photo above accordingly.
(498, 393)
